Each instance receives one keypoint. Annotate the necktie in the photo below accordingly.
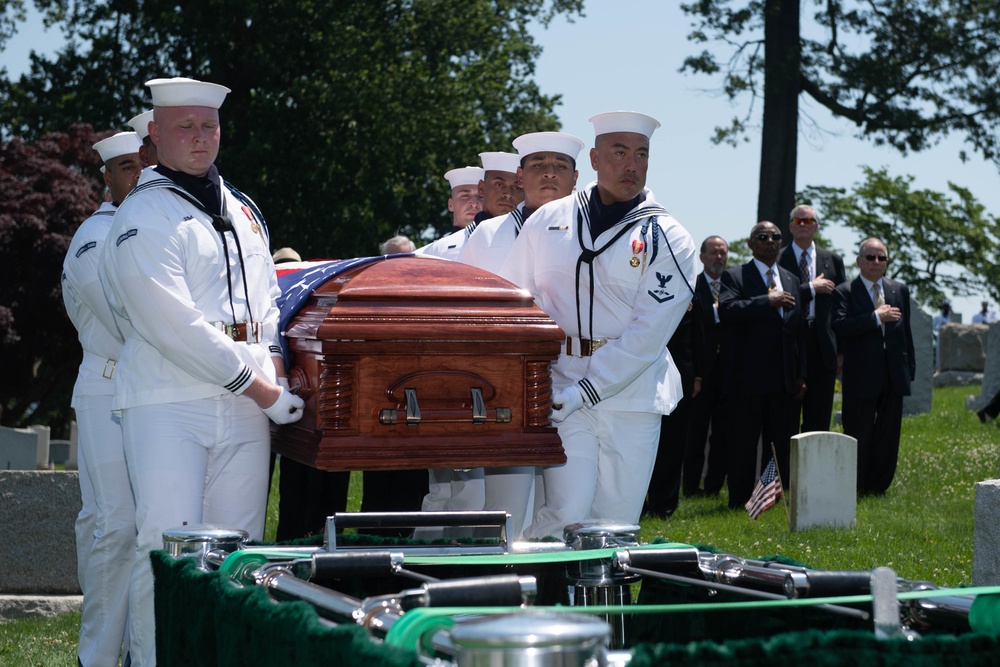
(770, 280)
(878, 301)
(804, 266)
(715, 290)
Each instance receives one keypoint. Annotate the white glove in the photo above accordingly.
(283, 382)
(566, 402)
(287, 409)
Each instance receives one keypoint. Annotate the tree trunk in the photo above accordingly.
(779, 138)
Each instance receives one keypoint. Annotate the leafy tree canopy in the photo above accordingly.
(937, 241)
(45, 195)
(905, 72)
(344, 115)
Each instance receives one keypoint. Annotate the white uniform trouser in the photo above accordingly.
(512, 490)
(452, 491)
(192, 462)
(105, 531)
(455, 490)
(610, 458)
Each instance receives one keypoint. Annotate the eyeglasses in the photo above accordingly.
(877, 258)
(805, 221)
(775, 236)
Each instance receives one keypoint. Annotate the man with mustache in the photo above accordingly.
(615, 271)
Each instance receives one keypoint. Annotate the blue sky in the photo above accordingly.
(614, 59)
(627, 56)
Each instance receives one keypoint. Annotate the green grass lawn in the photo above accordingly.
(922, 527)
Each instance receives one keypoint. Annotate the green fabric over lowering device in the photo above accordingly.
(206, 619)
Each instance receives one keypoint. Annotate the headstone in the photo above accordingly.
(962, 347)
(919, 400)
(38, 549)
(991, 370)
(18, 448)
(42, 453)
(824, 470)
(986, 534)
(73, 462)
(58, 452)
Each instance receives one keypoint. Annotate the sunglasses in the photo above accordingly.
(776, 236)
(805, 221)
(877, 258)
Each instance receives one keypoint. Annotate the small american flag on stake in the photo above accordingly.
(766, 493)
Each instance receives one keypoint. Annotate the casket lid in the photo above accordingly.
(421, 298)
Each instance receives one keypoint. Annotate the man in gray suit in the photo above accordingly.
(871, 317)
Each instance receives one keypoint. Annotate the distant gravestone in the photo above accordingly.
(962, 347)
(919, 400)
(986, 534)
(824, 470)
(72, 463)
(18, 448)
(42, 453)
(991, 370)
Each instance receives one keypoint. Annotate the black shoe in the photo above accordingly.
(982, 415)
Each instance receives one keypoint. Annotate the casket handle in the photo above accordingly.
(480, 415)
(412, 409)
(478, 406)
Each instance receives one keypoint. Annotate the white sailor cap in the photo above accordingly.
(548, 142)
(122, 143)
(496, 161)
(285, 255)
(624, 121)
(465, 176)
(140, 123)
(182, 92)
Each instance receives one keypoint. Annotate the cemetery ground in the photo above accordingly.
(922, 528)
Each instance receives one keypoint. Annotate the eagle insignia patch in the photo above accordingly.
(660, 292)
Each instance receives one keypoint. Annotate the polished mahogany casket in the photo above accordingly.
(416, 362)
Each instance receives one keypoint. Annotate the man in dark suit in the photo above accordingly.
(871, 317)
(706, 404)
(663, 493)
(765, 369)
(819, 271)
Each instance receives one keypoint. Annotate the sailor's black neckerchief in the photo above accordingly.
(623, 215)
(205, 193)
(206, 189)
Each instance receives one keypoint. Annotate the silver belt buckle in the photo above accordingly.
(109, 369)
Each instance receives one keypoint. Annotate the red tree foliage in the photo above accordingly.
(47, 188)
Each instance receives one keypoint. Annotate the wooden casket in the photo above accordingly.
(409, 362)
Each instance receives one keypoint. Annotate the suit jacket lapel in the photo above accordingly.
(753, 282)
(863, 298)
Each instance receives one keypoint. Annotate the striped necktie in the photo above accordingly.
(804, 271)
(879, 302)
(715, 290)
